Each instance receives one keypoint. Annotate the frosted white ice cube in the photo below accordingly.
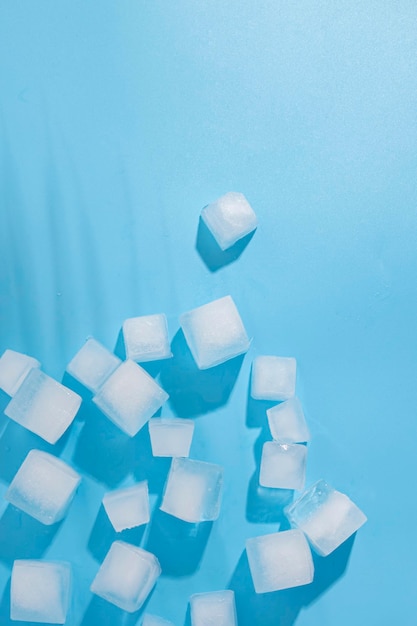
(193, 490)
(93, 364)
(43, 487)
(128, 507)
(214, 332)
(129, 397)
(328, 517)
(229, 218)
(14, 367)
(43, 406)
(287, 422)
(40, 591)
(154, 620)
(283, 465)
(127, 576)
(216, 608)
(273, 378)
(280, 561)
(171, 436)
(146, 338)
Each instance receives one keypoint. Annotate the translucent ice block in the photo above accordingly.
(229, 218)
(273, 378)
(328, 517)
(43, 406)
(216, 608)
(126, 576)
(130, 397)
(214, 332)
(40, 591)
(93, 364)
(283, 465)
(154, 620)
(14, 367)
(193, 490)
(43, 487)
(128, 507)
(171, 437)
(287, 422)
(146, 338)
(280, 561)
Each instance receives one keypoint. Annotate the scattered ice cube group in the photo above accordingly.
(128, 507)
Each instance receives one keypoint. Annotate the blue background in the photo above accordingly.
(119, 121)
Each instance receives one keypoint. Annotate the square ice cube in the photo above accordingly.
(328, 517)
(229, 218)
(287, 422)
(280, 561)
(128, 507)
(216, 608)
(193, 490)
(40, 591)
(43, 487)
(171, 436)
(154, 620)
(43, 406)
(214, 332)
(146, 338)
(14, 367)
(283, 465)
(127, 576)
(273, 378)
(130, 397)
(93, 364)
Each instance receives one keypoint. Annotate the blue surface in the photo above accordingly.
(119, 122)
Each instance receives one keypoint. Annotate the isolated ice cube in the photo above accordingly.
(14, 367)
(129, 397)
(229, 218)
(40, 591)
(193, 490)
(127, 576)
(146, 338)
(171, 436)
(43, 487)
(154, 620)
(215, 608)
(283, 465)
(287, 422)
(273, 378)
(214, 332)
(43, 406)
(280, 561)
(93, 364)
(328, 517)
(128, 507)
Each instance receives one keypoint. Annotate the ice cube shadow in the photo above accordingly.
(178, 545)
(193, 391)
(103, 613)
(256, 410)
(72, 383)
(283, 607)
(103, 535)
(266, 506)
(210, 252)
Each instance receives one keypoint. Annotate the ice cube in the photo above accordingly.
(287, 422)
(93, 364)
(171, 437)
(43, 406)
(154, 620)
(14, 367)
(214, 332)
(229, 218)
(127, 576)
(40, 591)
(146, 338)
(128, 507)
(273, 378)
(280, 561)
(283, 465)
(193, 490)
(215, 608)
(130, 397)
(328, 517)
(43, 487)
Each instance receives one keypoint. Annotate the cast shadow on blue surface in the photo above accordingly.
(72, 383)
(283, 607)
(209, 250)
(266, 506)
(103, 535)
(101, 613)
(192, 391)
(178, 545)
(256, 411)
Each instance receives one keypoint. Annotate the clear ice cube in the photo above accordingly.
(215, 608)
(283, 465)
(229, 218)
(287, 422)
(128, 507)
(146, 338)
(273, 378)
(171, 436)
(14, 367)
(93, 364)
